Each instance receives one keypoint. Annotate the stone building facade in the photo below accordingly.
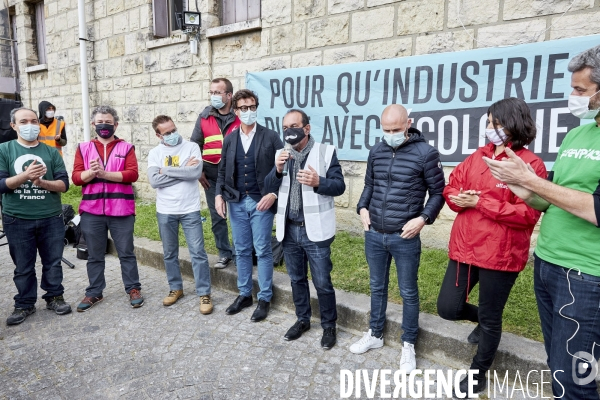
(143, 76)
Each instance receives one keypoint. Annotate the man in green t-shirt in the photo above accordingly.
(567, 256)
(32, 176)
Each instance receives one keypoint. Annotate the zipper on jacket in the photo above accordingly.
(104, 162)
(387, 191)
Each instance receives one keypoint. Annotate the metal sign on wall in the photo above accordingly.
(447, 95)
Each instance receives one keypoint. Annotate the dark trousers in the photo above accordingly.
(219, 225)
(27, 237)
(494, 288)
(300, 253)
(568, 303)
(95, 231)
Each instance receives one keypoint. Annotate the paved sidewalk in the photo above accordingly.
(165, 353)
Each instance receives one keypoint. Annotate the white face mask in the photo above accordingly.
(49, 114)
(248, 117)
(580, 106)
(496, 138)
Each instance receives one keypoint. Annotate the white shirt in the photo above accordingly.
(184, 196)
(247, 139)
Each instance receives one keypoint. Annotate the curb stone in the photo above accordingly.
(442, 341)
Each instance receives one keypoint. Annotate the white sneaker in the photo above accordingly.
(408, 363)
(367, 342)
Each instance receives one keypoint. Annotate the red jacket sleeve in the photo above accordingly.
(515, 213)
(456, 181)
(130, 173)
(78, 168)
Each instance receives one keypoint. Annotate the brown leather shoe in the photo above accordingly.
(206, 306)
(172, 298)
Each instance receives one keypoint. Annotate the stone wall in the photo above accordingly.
(143, 77)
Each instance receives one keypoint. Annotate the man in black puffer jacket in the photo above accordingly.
(401, 169)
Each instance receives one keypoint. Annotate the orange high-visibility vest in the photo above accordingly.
(213, 138)
(47, 134)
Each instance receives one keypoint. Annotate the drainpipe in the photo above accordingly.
(85, 92)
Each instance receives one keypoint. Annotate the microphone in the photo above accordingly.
(287, 148)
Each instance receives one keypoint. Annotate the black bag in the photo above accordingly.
(82, 251)
(230, 194)
(68, 214)
(277, 248)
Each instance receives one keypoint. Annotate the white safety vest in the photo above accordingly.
(319, 210)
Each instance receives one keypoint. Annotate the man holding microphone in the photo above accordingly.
(308, 176)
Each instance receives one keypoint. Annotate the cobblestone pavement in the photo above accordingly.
(155, 352)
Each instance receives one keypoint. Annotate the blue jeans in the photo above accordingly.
(552, 294)
(379, 250)
(168, 227)
(252, 228)
(25, 238)
(297, 251)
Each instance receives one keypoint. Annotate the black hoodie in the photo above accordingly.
(44, 105)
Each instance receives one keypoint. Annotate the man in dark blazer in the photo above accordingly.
(247, 157)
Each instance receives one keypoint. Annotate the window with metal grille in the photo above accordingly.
(40, 32)
(166, 16)
(233, 11)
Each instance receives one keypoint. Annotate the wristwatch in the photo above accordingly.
(425, 218)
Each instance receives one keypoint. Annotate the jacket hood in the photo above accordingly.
(44, 105)
(415, 136)
(206, 112)
(210, 110)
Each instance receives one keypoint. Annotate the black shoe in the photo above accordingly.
(239, 304)
(329, 338)
(19, 315)
(223, 262)
(261, 312)
(297, 330)
(464, 386)
(474, 336)
(58, 305)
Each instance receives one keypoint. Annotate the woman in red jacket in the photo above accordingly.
(489, 242)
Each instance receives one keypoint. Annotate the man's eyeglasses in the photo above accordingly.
(168, 133)
(246, 108)
(216, 93)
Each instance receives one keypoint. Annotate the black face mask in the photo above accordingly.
(105, 130)
(294, 136)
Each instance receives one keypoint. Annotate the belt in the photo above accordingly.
(292, 222)
(385, 232)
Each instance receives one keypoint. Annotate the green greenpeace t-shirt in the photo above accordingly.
(565, 239)
(29, 201)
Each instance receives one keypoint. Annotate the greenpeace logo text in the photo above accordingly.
(592, 154)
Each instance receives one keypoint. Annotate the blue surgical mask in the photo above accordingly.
(172, 139)
(29, 132)
(394, 139)
(217, 101)
(248, 117)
